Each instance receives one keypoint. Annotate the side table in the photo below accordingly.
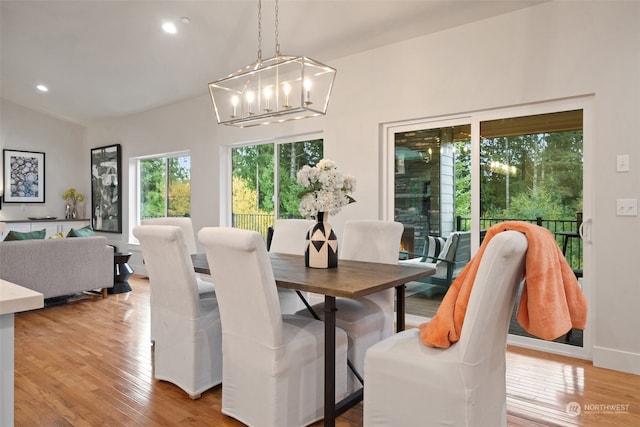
(121, 273)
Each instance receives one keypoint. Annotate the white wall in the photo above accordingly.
(66, 161)
(551, 51)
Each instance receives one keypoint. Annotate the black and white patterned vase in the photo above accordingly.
(322, 244)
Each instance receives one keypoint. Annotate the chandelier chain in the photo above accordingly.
(277, 22)
(259, 31)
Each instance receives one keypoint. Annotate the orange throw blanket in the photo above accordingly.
(551, 302)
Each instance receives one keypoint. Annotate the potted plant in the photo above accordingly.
(72, 197)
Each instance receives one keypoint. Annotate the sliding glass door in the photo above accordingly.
(469, 173)
(431, 191)
(531, 169)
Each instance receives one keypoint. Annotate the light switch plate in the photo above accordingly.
(622, 163)
(627, 207)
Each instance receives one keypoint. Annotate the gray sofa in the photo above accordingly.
(57, 267)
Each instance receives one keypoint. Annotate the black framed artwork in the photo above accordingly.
(23, 176)
(106, 192)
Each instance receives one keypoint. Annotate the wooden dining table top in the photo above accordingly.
(351, 279)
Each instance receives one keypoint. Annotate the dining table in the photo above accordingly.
(351, 279)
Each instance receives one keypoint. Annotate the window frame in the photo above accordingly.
(475, 118)
(135, 192)
(226, 171)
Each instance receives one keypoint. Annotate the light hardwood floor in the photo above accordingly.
(88, 363)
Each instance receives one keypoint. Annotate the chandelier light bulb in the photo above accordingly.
(234, 102)
(287, 90)
(307, 88)
(250, 101)
(267, 98)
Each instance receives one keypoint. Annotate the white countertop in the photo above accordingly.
(14, 298)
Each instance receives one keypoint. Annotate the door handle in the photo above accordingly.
(586, 237)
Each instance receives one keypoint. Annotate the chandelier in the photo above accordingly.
(272, 90)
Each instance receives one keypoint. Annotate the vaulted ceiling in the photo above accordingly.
(108, 58)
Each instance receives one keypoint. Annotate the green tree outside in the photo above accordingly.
(547, 177)
(154, 200)
(253, 176)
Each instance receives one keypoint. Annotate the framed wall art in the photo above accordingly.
(106, 191)
(23, 176)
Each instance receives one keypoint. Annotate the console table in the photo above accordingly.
(52, 225)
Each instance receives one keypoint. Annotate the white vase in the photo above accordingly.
(322, 244)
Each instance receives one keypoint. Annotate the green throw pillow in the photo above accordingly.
(81, 232)
(31, 235)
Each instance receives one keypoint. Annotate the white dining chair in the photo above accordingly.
(273, 367)
(289, 237)
(184, 223)
(186, 328)
(205, 284)
(410, 384)
(369, 319)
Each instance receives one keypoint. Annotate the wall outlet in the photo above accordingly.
(622, 163)
(627, 207)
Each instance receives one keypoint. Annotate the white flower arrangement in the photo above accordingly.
(325, 189)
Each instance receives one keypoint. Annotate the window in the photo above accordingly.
(264, 184)
(164, 186)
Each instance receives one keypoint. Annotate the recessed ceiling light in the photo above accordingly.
(42, 88)
(169, 27)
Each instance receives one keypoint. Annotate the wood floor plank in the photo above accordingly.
(89, 363)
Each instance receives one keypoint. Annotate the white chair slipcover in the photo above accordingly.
(289, 237)
(410, 384)
(369, 319)
(273, 367)
(204, 283)
(184, 223)
(187, 331)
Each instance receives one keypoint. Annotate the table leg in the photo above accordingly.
(329, 360)
(400, 308)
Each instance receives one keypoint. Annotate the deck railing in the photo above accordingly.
(256, 222)
(574, 249)
(261, 222)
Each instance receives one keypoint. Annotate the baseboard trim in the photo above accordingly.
(617, 360)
